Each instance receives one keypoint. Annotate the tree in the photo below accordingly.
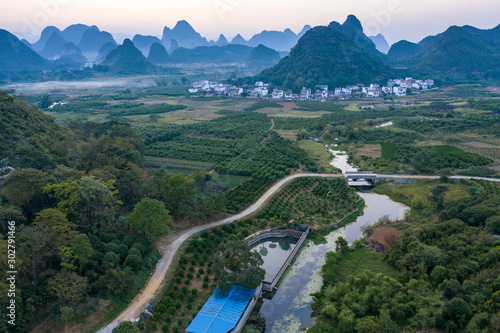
(237, 264)
(126, 327)
(437, 196)
(24, 189)
(493, 224)
(35, 246)
(84, 200)
(150, 218)
(82, 250)
(67, 314)
(341, 245)
(68, 287)
(56, 226)
(45, 101)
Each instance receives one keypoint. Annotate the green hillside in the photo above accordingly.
(127, 59)
(15, 56)
(458, 51)
(263, 56)
(28, 137)
(325, 56)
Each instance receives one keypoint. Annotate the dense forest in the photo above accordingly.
(86, 217)
(440, 269)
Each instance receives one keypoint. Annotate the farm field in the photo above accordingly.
(318, 152)
(228, 181)
(317, 202)
(172, 163)
(404, 193)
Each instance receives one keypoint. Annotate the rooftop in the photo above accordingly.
(222, 311)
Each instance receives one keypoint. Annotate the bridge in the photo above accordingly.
(360, 178)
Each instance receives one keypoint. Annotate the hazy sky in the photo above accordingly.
(395, 19)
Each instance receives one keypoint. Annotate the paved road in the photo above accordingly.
(168, 247)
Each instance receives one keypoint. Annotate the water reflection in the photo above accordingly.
(274, 251)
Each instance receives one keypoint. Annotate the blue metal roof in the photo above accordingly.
(222, 311)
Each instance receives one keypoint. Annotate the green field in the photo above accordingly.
(228, 181)
(361, 259)
(172, 163)
(318, 152)
(404, 193)
(387, 150)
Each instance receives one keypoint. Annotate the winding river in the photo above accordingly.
(290, 308)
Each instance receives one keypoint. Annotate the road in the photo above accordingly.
(168, 247)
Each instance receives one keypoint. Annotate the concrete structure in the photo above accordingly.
(301, 235)
(361, 178)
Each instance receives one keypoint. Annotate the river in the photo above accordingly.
(290, 308)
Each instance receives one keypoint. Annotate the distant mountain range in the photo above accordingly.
(317, 54)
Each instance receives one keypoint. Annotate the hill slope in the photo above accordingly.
(26, 132)
(457, 51)
(15, 55)
(325, 56)
(127, 59)
(353, 29)
(213, 54)
(158, 55)
(263, 56)
(184, 34)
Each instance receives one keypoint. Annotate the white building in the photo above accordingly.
(387, 90)
(399, 91)
(277, 94)
(305, 93)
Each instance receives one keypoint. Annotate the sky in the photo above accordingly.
(395, 19)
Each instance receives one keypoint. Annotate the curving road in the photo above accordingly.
(168, 247)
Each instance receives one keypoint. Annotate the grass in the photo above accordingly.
(318, 152)
(361, 259)
(228, 181)
(387, 150)
(172, 163)
(404, 193)
(276, 112)
(288, 134)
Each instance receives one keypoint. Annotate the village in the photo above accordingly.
(394, 87)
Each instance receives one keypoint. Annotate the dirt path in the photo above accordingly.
(169, 246)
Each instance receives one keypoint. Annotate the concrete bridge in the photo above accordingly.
(360, 178)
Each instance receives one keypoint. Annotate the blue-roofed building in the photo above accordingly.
(222, 312)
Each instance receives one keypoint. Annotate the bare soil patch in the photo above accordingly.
(373, 150)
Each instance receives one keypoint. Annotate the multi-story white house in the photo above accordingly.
(277, 94)
(399, 91)
(387, 90)
(288, 95)
(305, 93)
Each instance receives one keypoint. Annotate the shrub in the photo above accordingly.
(134, 262)
(187, 282)
(205, 285)
(165, 327)
(154, 325)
